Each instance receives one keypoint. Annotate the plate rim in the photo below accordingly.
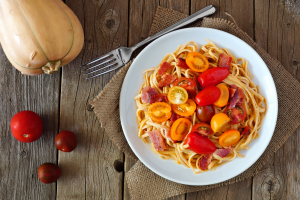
(130, 71)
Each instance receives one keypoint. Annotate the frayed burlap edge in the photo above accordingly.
(105, 112)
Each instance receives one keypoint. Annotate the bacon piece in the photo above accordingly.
(174, 116)
(181, 63)
(205, 161)
(237, 98)
(167, 79)
(224, 61)
(157, 140)
(222, 152)
(148, 93)
(159, 98)
(164, 67)
(246, 132)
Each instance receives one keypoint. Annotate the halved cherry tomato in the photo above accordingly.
(213, 76)
(222, 101)
(202, 128)
(160, 111)
(205, 113)
(187, 83)
(197, 62)
(180, 128)
(236, 114)
(184, 109)
(181, 63)
(177, 95)
(200, 144)
(218, 121)
(230, 137)
(208, 96)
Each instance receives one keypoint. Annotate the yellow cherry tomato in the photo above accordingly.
(197, 62)
(223, 99)
(160, 111)
(230, 137)
(185, 109)
(177, 95)
(180, 128)
(218, 121)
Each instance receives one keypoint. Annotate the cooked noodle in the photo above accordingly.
(240, 75)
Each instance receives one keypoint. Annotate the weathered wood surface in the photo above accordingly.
(96, 169)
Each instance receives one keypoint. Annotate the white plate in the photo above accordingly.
(151, 57)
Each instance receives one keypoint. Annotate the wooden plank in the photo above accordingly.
(280, 179)
(20, 161)
(140, 20)
(88, 171)
(242, 11)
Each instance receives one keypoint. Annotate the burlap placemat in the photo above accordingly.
(142, 182)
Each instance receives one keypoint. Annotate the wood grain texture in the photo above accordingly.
(88, 171)
(20, 161)
(277, 32)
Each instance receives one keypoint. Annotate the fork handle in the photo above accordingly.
(209, 10)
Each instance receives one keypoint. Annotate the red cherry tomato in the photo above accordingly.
(205, 113)
(48, 173)
(202, 128)
(236, 114)
(66, 141)
(208, 96)
(188, 84)
(26, 126)
(213, 76)
(200, 144)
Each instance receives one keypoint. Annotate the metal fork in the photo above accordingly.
(120, 56)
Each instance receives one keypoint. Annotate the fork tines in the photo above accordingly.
(103, 63)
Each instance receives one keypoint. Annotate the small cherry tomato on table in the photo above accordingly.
(218, 121)
(160, 111)
(180, 128)
(230, 137)
(212, 76)
(184, 109)
(224, 97)
(26, 126)
(236, 114)
(48, 173)
(177, 95)
(208, 96)
(197, 62)
(200, 144)
(205, 113)
(66, 141)
(202, 128)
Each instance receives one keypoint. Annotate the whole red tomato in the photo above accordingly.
(26, 126)
(200, 144)
(208, 96)
(48, 173)
(213, 76)
(66, 141)
(205, 113)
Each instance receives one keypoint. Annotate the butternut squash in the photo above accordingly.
(39, 36)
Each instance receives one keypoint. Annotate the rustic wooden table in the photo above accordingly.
(96, 169)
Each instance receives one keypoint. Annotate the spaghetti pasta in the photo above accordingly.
(239, 75)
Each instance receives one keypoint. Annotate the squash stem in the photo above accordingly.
(51, 67)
